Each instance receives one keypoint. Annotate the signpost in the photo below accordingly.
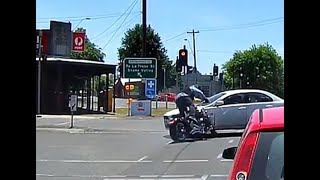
(151, 88)
(140, 68)
(73, 107)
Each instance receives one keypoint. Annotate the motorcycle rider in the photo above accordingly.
(184, 100)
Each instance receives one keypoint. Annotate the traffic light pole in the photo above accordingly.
(194, 52)
(39, 74)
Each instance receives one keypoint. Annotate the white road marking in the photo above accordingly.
(226, 160)
(219, 175)
(149, 176)
(231, 141)
(204, 177)
(145, 177)
(219, 156)
(143, 158)
(177, 176)
(91, 161)
(69, 122)
(170, 142)
(185, 161)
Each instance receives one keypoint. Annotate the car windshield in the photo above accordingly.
(268, 161)
(214, 98)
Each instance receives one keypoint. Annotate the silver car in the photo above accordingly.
(232, 109)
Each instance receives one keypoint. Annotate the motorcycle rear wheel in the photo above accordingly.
(178, 132)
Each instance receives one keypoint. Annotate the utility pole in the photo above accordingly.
(194, 52)
(39, 73)
(144, 28)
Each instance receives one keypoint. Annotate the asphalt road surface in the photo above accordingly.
(123, 150)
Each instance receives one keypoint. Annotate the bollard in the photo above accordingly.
(166, 101)
(156, 101)
(129, 106)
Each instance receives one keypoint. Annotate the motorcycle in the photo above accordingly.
(179, 128)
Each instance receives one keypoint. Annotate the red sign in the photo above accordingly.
(78, 41)
(44, 42)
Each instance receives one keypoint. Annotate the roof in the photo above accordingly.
(125, 80)
(82, 61)
(230, 92)
(267, 119)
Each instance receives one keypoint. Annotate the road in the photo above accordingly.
(127, 149)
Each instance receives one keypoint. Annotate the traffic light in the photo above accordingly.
(215, 70)
(183, 57)
(178, 65)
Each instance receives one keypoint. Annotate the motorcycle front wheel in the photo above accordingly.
(178, 132)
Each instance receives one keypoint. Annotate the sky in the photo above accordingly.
(224, 26)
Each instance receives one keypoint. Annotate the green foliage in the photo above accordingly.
(262, 68)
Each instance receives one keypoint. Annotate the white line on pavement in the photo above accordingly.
(69, 122)
(204, 177)
(219, 156)
(226, 160)
(231, 141)
(143, 158)
(177, 176)
(91, 161)
(186, 161)
(170, 142)
(219, 175)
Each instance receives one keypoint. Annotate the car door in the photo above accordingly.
(257, 100)
(232, 114)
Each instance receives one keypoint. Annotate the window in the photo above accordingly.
(214, 98)
(234, 99)
(268, 162)
(256, 97)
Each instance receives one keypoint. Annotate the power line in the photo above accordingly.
(135, 2)
(91, 16)
(247, 25)
(125, 12)
(78, 19)
(127, 23)
(175, 37)
(239, 26)
(208, 51)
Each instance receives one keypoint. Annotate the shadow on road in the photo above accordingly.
(218, 135)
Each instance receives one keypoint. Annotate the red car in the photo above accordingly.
(171, 97)
(259, 154)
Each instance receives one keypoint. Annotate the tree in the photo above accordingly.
(92, 52)
(262, 68)
(131, 46)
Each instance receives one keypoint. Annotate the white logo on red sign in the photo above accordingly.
(78, 41)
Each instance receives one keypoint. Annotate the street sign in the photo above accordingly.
(78, 41)
(151, 88)
(73, 103)
(140, 68)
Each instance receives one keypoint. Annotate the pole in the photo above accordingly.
(164, 79)
(71, 122)
(39, 73)
(144, 28)
(194, 52)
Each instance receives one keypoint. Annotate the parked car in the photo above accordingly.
(260, 154)
(232, 109)
(171, 97)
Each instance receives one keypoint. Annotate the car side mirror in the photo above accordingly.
(229, 153)
(219, 103)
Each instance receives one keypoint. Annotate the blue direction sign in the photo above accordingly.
(151, 88)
